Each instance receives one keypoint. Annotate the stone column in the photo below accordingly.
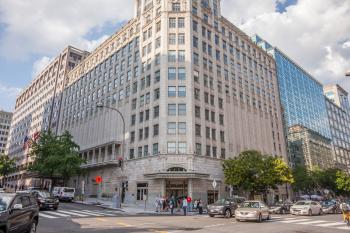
(190, 188)
(113, 156)
(163, 187)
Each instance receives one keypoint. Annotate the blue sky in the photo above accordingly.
(28, 42)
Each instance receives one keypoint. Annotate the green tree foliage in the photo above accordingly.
(343, 182)
(55, 156)
(304, 180)
(255, 172)
(7, 165)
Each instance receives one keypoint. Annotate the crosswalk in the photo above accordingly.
(70, 213)
(340, 225)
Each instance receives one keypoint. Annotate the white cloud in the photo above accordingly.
(46, 27)
(7, 96)
(40, 64)
(312, 32)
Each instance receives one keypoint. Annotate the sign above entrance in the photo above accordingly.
(214, 183)
(98, 179)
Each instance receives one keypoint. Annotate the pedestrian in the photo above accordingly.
(189, 203)
(157, 204)
(195, 204)
(172, 205)
(200, 207)
(184, 205)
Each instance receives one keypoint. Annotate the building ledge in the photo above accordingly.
(176, 175)
(101, 164)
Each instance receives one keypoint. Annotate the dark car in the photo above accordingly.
(45, 199)
(330, 207)
(280, 207)
(19, 213)
(225, 206)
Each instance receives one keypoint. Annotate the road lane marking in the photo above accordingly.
(160, 231)
(311, 222)
(58, 214)
(72, 213)
(97, 212)
(343, 228)
(295, 221)
(123, 224)
(46, 216)
(80, 212)
(332, 224)
(215, 225)
(101, 219)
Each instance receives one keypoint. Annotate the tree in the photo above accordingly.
(255, 172)
(55, 156)
(325, 179)
(343, 182)
(7, 166)
(304, 180)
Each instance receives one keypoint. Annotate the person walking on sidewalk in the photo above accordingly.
(172, 205)
(189, 204)
(200, 207)
(184, 205)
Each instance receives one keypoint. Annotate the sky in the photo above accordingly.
(314, 33)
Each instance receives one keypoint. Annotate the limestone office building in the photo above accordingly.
(193, 89)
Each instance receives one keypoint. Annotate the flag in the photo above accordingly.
(25, 142)
(36, 136)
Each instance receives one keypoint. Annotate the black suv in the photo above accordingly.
(45, 199)
(19, 213)
(225, 206)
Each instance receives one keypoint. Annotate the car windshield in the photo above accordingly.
(220, 202)
(327, 203)
(5, 202)
(45, 194)
(68, 190)
(251, 204)
(302, 203)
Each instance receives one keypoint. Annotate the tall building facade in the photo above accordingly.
(339, 120)
(37, 109)
(5, 123)
(193, 89)
(309, 148)
(301, 95)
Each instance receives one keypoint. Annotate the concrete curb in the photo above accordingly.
(97, 205)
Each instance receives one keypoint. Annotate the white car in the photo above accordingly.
(64, 193)
(306, 208)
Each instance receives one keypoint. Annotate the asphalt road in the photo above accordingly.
(72, 218)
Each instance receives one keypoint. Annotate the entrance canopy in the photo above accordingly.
(176, 175)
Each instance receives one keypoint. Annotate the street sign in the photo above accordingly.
(214, 184)
(98, 179)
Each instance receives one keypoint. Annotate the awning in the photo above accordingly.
(176, 175)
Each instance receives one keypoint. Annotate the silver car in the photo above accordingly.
(306, 208)
(253, 211)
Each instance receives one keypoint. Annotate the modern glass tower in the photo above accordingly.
(301, 95)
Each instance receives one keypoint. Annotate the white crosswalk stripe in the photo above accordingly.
(65, 213)
(312, 222)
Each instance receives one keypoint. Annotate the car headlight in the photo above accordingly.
(41, 200)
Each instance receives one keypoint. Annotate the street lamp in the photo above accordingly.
(100, 105)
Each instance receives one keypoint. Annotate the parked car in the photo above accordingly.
(225, 206)
(306, 208)
(280, 207)
(252, 211)
(45, 199)
(19, 212)
(330, 207)
(64, 193)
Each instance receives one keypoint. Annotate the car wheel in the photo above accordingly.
(268, 217)
(211, 215)
(310, 212)
(32, 227)
(238, 220)
(260, 218)
(228, 213)
(55, 208)
(321, 212)
(283, 211)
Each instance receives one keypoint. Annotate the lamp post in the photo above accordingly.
(100, 105)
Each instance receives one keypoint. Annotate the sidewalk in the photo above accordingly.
(129, 209)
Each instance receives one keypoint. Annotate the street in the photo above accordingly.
(71, 218)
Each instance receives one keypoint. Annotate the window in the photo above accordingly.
(182, 109)
(181, 57)
(195, 42)
(221, 119)
(133, 119)
(182, 147)
(131, 153)
(171, 91)
(132, 136)
(195, 26)
(172, 147)
(140, 134)
(208, 151)
(181, 38)
(182, 127)
(197, 111)
(214, 152)
(198, 148)
(172, 22)
(142, 191)
(155, 130)
(156, 94)
(171, 56)
(182, 91)
(207, 132)
(197, 94)
(156, 112)
(141, 117)
(157, 43)
(171, 128)
(198, 130)
(222, 136)
(145, 151)
(181, 22)
(176, 7)
(213, 134)
(155, 149)
(172, 38)
(172, 109)
(171, 73)
(181, 73)
(157, 76)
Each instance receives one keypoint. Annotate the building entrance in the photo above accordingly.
(176, 188)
